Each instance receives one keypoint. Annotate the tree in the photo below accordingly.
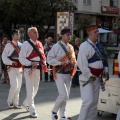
(38, 13)
(83, 21)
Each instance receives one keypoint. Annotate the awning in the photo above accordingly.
(101, 30)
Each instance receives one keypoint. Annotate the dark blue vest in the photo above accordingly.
(95, 57)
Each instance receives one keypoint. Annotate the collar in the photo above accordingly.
(33, 41)
(14, 42)
(64, 43)
(92, 42)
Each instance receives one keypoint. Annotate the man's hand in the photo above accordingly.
(106, 76)
(92, 78)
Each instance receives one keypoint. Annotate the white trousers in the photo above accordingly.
(32, 85)
(63, 83)
(89, 96)
(15, 82)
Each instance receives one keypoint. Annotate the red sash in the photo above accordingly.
(96, 72)
(35, 54)
(18, 63)
(15, 47)
(16, 60)
(32, 55)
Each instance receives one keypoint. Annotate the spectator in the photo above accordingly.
(47, 48)
(75, 80)
(3, 66)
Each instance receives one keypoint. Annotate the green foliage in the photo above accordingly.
(83, 21)
(72, 41)
(38, 13)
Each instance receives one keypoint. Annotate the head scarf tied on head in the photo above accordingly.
(91, 28)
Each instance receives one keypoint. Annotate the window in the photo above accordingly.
(113, 3)
(87, 1)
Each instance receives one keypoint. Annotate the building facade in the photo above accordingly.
(106, 13)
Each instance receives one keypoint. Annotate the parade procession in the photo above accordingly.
(60, 60)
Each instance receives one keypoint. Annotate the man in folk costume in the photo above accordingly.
(10, 58)
(62, 58)
(31, 56)
(93, 64)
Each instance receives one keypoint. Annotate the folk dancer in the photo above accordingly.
(10, 58)
(30, 59)
(92, 62)
(62, 58)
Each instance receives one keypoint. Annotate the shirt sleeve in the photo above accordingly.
(43, 57)
(52, 56)
(23, 55)
(5, 54)
(82, 61)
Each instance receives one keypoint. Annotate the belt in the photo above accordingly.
(64, 72)
(38, 67)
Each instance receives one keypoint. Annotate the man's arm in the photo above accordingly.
(82, 61)
(23, 55)
(6, 53)
(51, 57)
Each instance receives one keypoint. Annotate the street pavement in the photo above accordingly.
(44, 102)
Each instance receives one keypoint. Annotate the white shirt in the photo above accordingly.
(8, 50)
(56, 53)
(86, 51)
(26, 50)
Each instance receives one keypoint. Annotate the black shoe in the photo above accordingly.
(54, 116)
